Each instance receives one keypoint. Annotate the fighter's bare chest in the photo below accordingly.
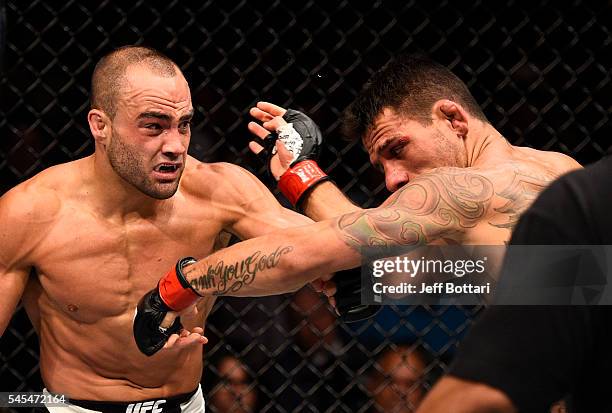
(91, 268)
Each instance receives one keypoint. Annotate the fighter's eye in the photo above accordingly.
(153, 126)
(185, 125)
(397, 149)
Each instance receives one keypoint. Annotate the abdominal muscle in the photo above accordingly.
(100, 361)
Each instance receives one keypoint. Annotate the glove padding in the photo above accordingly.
(311, 135)
(348, 298)
(303, 139)
(149, 335)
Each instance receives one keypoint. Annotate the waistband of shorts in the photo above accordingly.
(137, 406)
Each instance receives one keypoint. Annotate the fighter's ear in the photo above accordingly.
(99, 124)
(453, 114)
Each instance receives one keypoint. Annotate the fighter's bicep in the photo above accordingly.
(13, 281)
(260, 212)
(267, 218)
(434, 206)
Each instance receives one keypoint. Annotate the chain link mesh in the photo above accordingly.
(540, 69)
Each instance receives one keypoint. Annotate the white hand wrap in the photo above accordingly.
(291, 139)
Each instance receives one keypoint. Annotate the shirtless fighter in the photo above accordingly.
(98, 231)
(455, 178)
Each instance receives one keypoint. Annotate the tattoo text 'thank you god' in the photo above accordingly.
(225, 278)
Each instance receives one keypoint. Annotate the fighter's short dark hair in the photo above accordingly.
(109, 73)
(410, 85)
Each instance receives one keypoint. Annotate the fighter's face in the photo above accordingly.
(404, 148)
(151, 132)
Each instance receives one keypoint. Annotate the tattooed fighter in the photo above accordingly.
(455, 178)
(83, 241)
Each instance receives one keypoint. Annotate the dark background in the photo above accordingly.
(540, 70)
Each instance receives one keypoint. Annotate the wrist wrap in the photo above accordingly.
(299, 179)
(175, 290)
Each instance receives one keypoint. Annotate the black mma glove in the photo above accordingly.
(348, 297)
(308, 144)
(173, 293)
(149, 335)
(303, 138)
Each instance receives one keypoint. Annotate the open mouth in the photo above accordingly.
(167, 167)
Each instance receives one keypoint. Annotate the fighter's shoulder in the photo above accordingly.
(221, 179)
(36, 201)
(551, 163)
(454, 176)
(43, 189)
(532, 167)
(229, 172)
(563, 163)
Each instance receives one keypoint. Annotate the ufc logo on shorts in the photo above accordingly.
(152, 406)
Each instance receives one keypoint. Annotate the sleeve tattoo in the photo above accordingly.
(434, 206)
(442, 205)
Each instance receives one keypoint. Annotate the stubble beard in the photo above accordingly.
(130, 167)
(449, 154)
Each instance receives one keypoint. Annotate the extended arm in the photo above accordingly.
(434, 206)
(441, 205)
(327, 201)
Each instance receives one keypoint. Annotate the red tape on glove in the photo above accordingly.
(299, 178)
(174, 294)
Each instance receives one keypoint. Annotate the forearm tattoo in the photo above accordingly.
(227, 278)
(432, 207)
